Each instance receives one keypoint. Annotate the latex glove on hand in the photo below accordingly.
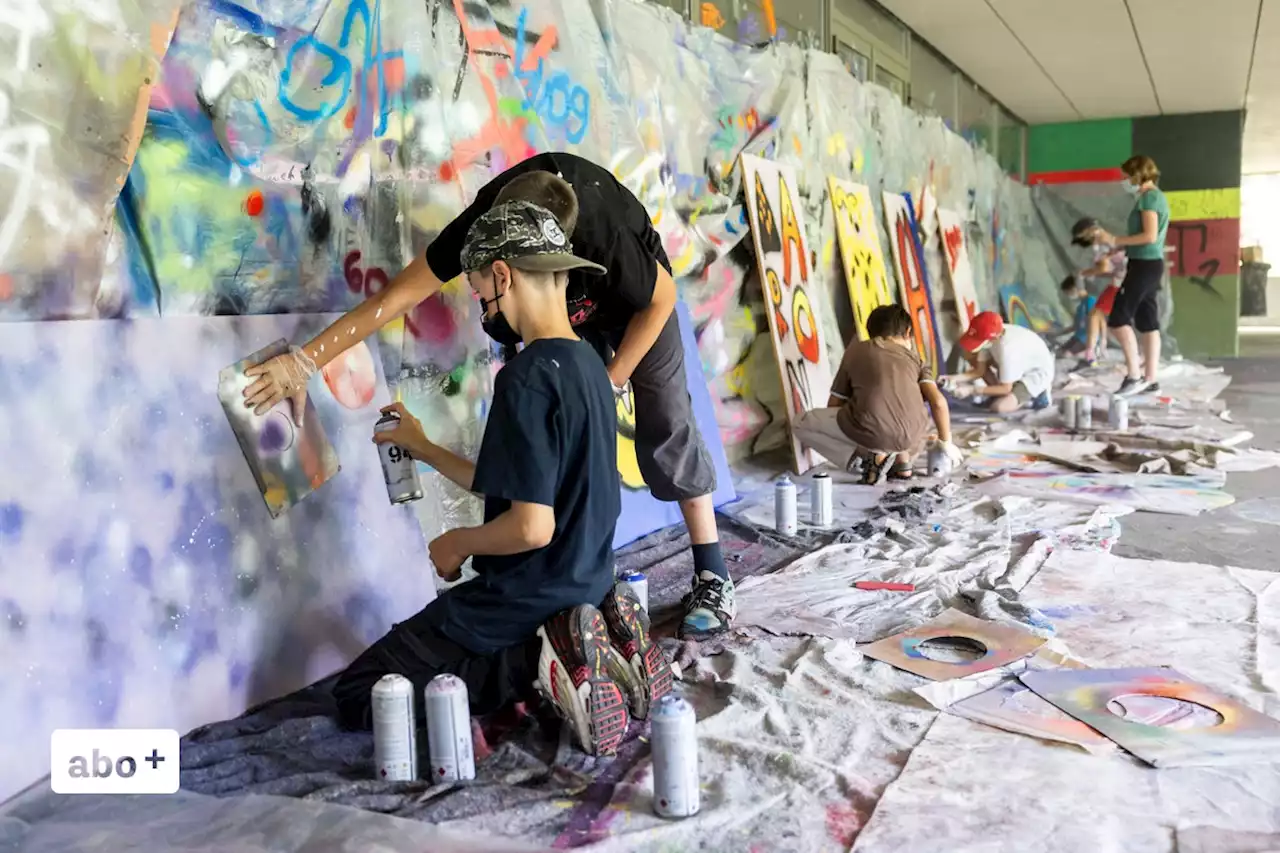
(953, 453)
(407, 434)
(446, 556)
(282, 376)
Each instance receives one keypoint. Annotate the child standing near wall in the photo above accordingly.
(1109, 265)
(547, 469)
(876, 416)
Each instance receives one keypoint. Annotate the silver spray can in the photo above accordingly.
(449, 730)
(939, 462)
(395, 738)
(1070, 408)
(1119, 413)
(821, 502)
(674, 737)
(398, 468)
(640, 584)
(784, 507)
(1084, 412)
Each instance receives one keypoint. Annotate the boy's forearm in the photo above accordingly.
(940, 410)
(643, 329)
(449, 464)
(414, 284)
(507, 534)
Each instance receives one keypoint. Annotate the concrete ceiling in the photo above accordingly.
(1050, 60)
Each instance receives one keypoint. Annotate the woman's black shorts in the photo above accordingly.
(1136, 304)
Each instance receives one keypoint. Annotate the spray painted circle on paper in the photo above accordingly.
(946, 649)
(352, 377)
(276, 433)
(1164, 712)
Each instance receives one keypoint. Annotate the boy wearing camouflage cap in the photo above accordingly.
(544, 556)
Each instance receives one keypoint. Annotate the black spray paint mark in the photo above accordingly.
(314, 209)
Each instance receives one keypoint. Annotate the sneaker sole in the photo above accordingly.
(649, 666)
(607, 717)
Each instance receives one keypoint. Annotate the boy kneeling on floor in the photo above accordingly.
(1015, 363)
(876, 418)
(548, 472)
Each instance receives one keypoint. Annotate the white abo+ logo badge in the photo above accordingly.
(114, 761)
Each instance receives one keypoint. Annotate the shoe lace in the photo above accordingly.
(709, 595)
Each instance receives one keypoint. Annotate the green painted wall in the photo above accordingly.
(1077, 145)
(1204, 323)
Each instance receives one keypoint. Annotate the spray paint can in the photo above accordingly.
(398, 468)
(1119, 413)
(939, 461)
(640, 584)
(395, 738)
(674, 737)
(821, 502)
(1070, 408)
(784, 507)
(1084, 413)
(449, 730)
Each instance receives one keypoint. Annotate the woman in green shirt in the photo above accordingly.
(1135, 305)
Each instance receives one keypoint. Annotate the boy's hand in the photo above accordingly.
(281, 376)
(446, 556)
(408, 433)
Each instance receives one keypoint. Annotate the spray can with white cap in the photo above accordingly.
(784, 507)
(449, 729)
(395, 739)
(674, 738)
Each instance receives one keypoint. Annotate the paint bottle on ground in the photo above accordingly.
(784, 507)
(399, 469)
(640, 584)
(395, 739)
(939, 461)
(449, 730)
(674, 738)
(821, 501)
(1119, 413)
(1084, 413)
(1070, 406)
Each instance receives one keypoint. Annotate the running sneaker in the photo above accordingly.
(709, 608)
(1152, 388)
(573, 674)
(637, 664)
(1131, 386)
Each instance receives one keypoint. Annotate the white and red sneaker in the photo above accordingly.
(573, 674)
(637, 663)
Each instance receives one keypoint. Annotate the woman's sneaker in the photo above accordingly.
(637, 664)
(573, 674)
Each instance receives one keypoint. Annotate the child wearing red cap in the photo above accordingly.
(1015, 363)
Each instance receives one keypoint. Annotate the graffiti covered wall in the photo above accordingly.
(213, 158)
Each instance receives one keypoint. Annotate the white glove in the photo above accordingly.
(281, 376)
(953, 453)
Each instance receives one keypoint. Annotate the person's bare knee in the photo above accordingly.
(1005, 404)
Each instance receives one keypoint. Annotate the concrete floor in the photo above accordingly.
(1246, 534)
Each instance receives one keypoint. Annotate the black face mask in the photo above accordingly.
(497, 326)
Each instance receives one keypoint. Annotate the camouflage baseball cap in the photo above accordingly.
(524, 235)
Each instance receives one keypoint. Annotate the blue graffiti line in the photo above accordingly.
(341, 69)
(250, 159)
(558, 98)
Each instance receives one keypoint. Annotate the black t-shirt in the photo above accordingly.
(551, 438)
(613, 230)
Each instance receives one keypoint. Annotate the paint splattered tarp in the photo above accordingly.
(1162, 493)
(970, 788)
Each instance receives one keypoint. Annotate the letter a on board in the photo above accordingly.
(790, 234)
(769, 241)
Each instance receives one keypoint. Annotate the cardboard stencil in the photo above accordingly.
(784, 263)
(913, 277)
(864, 271)
(1118, 703)
(288, 462)
(955, 250)
(1004, 644)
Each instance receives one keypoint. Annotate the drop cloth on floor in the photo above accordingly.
(969, 787)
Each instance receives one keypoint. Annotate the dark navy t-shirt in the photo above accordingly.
(551, 438)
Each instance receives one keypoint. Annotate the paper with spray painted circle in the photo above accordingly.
(287, 462)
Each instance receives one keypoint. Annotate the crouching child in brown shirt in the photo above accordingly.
(877, 418)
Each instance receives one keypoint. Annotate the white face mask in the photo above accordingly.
(1130, 187)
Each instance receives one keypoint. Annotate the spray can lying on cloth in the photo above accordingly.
(395, 739)
(784, 507)
(449, 729)
(398, 468)
(821, 501)
(640, 583)
(673, 732)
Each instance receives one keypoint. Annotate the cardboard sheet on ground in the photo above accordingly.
(1161, 716)
(1217, 625)
(982, 548)
(288, 462)
(994, 645)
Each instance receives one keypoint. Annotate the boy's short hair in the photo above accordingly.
(889, 321)
(1070, 283)
(546, 190)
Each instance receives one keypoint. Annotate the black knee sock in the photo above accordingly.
(707, 558)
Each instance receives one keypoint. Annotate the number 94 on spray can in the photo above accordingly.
(398, 468)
